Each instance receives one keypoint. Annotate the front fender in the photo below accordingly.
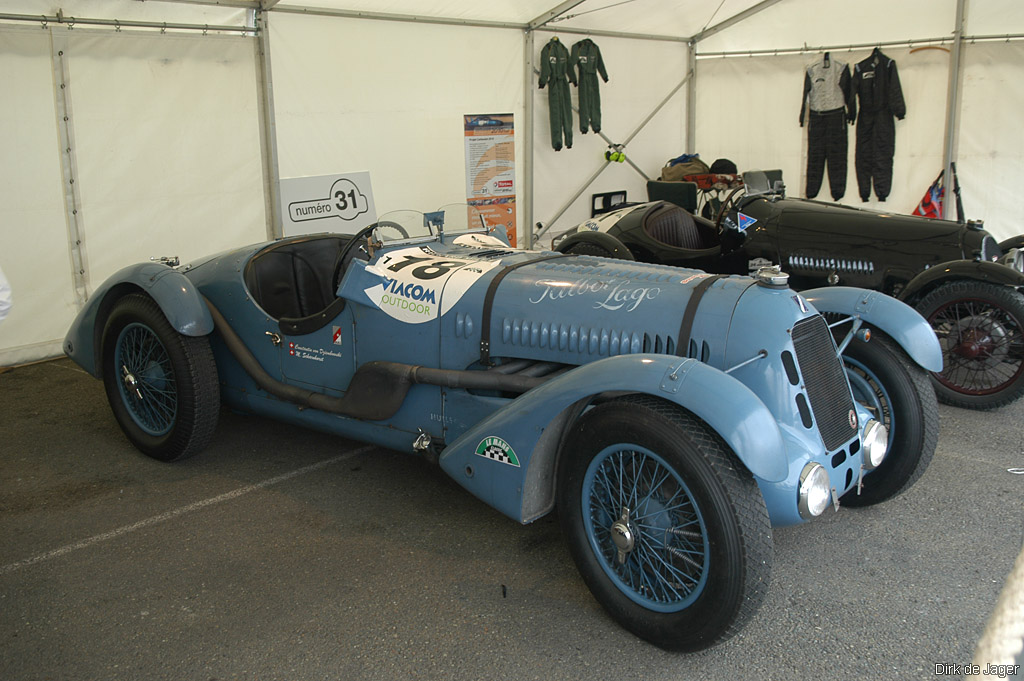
(177, 297)
(602, 239)
(900, 321)
(521, 486)
(978, 270)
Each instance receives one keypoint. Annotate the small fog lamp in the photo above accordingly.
(815, 491)
(876, 443)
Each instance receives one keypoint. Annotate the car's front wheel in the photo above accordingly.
(666, 526)
(162, 386)
(899, 395)
(980, 327)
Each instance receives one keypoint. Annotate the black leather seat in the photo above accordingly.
(294, 279)
(673, 226)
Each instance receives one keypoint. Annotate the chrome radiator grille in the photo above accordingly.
(825, 382)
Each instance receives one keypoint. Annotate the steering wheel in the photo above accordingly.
(361, 238)
(724, 208)
(388, 224)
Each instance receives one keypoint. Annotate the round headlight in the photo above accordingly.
(815, 490)
(876, 443)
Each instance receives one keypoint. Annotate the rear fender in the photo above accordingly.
(602, 239)
(954, 270)
(177, 297)
(525, 434)
(897, 319)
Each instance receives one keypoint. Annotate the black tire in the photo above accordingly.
(161, 385)
(979, 327)
(899, 394)
(706, 525)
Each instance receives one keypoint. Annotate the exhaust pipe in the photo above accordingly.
(377, 390)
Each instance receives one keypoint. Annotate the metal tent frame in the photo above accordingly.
(257, 27)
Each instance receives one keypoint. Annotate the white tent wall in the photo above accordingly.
(167, 132)
(167, 161)
(750, 103)
(168, 146)
(991, 145)
(389, 97)
(641, 73)
(748, 110)
(34, 251)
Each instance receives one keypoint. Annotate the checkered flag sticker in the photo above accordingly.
(496, 449)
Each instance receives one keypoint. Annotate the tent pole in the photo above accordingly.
(528, 129)
(952, 108)
(691, 97)
(69, 165)
(268, 129)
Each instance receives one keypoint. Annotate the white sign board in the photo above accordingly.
(328, 203)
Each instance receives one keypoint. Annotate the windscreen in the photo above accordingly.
(403, 225)
(756, 182)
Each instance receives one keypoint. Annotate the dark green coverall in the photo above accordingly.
(554, 69)
(586, 56)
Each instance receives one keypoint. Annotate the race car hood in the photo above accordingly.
(839, 220)
(561, 308)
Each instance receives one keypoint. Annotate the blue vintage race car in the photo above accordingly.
(672, 415)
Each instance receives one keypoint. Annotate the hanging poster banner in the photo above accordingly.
(327, 203)
(491, 169)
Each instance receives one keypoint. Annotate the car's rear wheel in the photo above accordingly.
(980, 328)
(899, 395)
(162, 386)
(666, 526)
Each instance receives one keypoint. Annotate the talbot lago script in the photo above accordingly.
(610, 295)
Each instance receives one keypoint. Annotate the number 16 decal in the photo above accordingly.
(414, 282)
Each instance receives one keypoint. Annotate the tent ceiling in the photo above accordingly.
(679, 19)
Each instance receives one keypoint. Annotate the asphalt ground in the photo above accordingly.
(281, 553)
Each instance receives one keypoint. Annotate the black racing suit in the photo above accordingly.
(877, 83)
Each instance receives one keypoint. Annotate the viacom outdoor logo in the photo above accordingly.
(409, 296)
(345, 201)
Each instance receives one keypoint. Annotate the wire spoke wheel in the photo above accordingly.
(162, 386)
(646, 527)
(148, 387)
(979, 327)
(668, 529)
(980, 345)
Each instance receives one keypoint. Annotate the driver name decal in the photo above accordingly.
(607, 294)
(496, 449)
(314, 354)
(412, 280)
